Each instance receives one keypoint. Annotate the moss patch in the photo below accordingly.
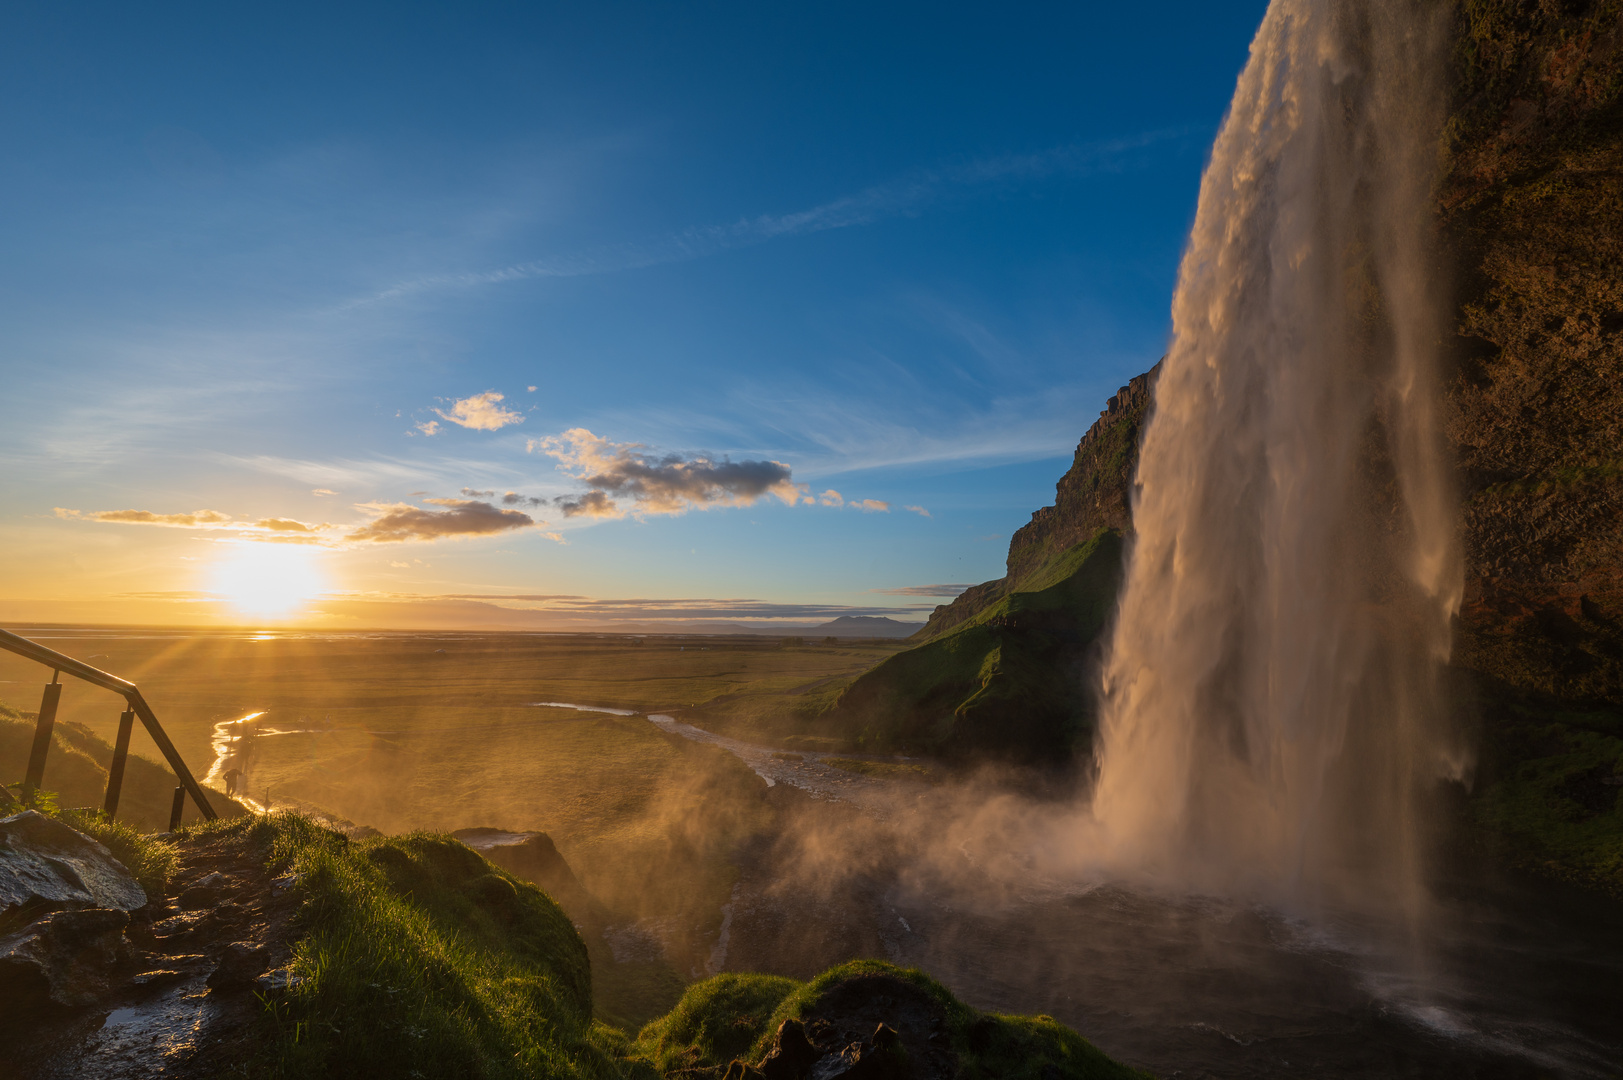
(1552, 792)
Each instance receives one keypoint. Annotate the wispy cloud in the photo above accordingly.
(289, 525)
(871, 506)
(905, 195)
(658, 484)
(272, 529)
(924, 590)
(919, 510)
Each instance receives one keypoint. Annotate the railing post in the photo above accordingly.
(176, 808)
(42, 738)
(115, 769)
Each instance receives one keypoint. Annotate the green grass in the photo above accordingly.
(417, 957)
(717, 1020)
(1006, 682)
(737, 1016)
(149, 860)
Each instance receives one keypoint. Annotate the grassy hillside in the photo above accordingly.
(414, 956)
(1008, 681)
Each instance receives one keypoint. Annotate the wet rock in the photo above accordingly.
(45, 865)
(240, 964)
(160, 977)
(878, 1057)
(65, 957)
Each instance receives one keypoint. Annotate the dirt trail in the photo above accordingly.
(181, 1001)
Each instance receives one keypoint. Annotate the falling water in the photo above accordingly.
(1271, 714)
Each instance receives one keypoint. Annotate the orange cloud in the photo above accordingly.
(289, 525)
(197, 519)
(481, 412)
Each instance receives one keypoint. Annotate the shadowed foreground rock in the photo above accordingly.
(64, 905)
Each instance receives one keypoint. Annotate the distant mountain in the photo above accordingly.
(864, 626)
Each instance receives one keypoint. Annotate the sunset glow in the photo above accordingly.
(268, 581)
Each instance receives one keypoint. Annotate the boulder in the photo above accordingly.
(64, 957)
(46, 866)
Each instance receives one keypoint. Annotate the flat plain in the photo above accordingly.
(440, 732)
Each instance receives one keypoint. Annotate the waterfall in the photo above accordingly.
(1271, 715)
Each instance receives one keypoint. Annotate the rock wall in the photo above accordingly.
(1095, 493)
(1531, 210)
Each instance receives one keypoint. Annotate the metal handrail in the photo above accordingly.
(61, 662)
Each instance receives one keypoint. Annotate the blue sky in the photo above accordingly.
(255, 255)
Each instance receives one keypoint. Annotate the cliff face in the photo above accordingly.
(1529, 214)
(1530, 217)
(1094, 494)
(1531, 210)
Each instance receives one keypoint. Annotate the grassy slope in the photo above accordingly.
(414, 956)
(1007, 681)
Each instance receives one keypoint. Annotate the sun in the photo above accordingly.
(269, 581)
